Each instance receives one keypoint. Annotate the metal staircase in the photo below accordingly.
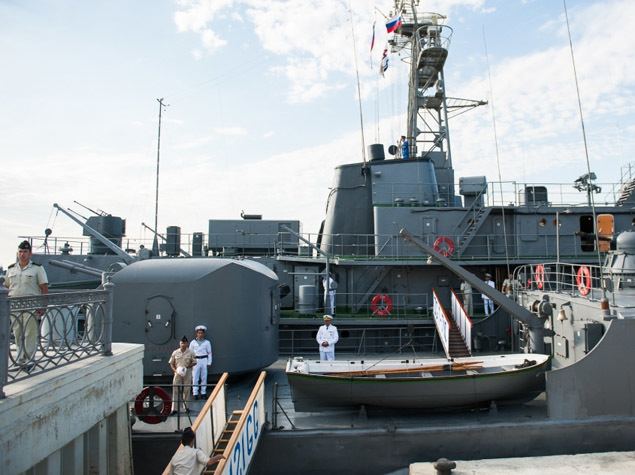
(458, 348)
(626, 193)
(474, 222)
(224, 439)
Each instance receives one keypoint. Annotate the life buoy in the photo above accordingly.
(146, 407)
(381, 304)
(583, 279)
(444, 246)
(539, 275)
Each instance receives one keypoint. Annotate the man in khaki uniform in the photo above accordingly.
(181, 362)
(26, 278)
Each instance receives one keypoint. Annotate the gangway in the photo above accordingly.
(235, 437)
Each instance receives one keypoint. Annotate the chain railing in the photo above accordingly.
(41, 333)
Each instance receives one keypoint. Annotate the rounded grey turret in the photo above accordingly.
(158, 301)
(626, 242)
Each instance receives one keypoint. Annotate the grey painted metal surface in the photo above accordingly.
(377, 451)
(158, 301)
(601, 383)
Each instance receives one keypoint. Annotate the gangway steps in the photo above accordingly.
(224, 439)
(458, 348)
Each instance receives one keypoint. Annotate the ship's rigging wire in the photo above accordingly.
(359, 91)
(498, 164)
(586, 148)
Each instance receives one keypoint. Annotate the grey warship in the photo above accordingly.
(384, 288)
(460, 231)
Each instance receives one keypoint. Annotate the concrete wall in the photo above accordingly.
(73, 419)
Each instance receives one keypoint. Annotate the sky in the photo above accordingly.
(263, 103)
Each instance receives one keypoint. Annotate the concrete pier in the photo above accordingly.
(73, 419)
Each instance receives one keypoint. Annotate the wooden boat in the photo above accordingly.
(416, 383)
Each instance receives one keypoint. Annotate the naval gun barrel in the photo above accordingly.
(97, 235)
(75, 267)
(535, 324)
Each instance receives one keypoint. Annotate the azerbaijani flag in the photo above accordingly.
(393, 24)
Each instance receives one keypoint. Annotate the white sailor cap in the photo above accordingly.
(200, 327)
(327, 317)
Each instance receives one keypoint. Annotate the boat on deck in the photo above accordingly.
(416, 383)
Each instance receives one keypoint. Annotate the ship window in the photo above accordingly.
(542, 222)
(587, 229)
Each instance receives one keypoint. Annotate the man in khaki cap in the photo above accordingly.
(26, 278)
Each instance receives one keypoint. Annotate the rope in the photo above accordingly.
(586, 149)
(498, 165)
(359, 93)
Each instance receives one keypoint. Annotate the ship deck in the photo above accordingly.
(380, 441)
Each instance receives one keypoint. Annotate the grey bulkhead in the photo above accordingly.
(158, 301)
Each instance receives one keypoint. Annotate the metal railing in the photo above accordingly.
(462, 320)
(41, 333)
(362, 340)
(570, 279)
(211, 420)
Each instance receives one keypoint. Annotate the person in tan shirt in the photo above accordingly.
(26, 278)
(181, 362)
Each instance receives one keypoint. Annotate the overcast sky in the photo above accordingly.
(263, 103)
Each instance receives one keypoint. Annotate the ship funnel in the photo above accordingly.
(376, 151)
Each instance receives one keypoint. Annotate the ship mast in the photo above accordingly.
(429, 109)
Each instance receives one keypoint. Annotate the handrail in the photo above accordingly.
(443, 325)
(462, 320)
(255, 393)
(219, 390)
(55, 319)
(208, 404)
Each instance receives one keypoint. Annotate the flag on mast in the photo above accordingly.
(393, 24)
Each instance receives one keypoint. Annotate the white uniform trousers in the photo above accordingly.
(200, 371)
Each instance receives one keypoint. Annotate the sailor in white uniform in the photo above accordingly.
(327, 337)
(202, 350)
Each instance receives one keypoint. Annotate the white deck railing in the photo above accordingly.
(442, 322)
(462, 320)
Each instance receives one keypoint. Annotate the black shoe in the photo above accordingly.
(203, 396)
(196, 397)
(173, 413)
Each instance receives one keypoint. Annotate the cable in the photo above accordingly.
(359, 92)
(586, 149)
(498, 165)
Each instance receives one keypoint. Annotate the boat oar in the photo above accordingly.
(416, 369)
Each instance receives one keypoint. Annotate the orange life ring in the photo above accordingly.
(583, 279)
(539, 275)
(444, 246)
(148, 412)
(381, 304)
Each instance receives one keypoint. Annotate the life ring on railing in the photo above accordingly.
(444, 246)
(583, 279)
(381, 304)
(539, 276)
(150, 412)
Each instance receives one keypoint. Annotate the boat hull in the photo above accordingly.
(422, 390)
